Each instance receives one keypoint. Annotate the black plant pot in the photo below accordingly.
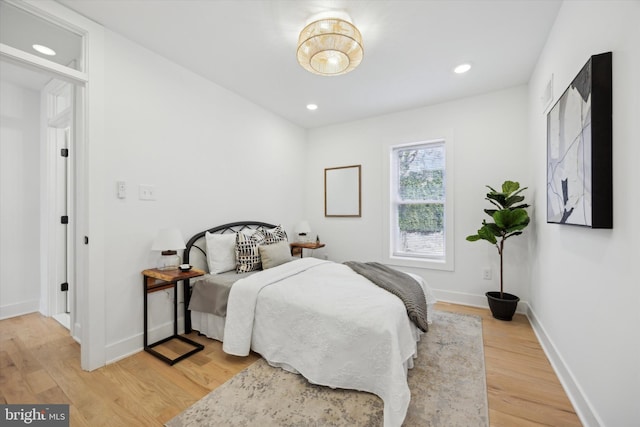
(502, 308)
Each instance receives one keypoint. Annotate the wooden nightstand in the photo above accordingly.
(298, 247)
(156, 280)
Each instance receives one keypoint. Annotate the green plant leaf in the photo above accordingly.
(493, 228)
(473, 238)
(498, 198)
(517, 233)
(513, 199)
(509, 187)
(520, 216)
(519, 191)
(508, 219)
(490, 212)
(486, 234)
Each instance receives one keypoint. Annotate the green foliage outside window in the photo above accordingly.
(421, 179)
(427, 218)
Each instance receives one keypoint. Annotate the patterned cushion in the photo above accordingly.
(274, 235)
(247, 253)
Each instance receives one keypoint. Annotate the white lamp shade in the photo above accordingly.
(168, 239)
(303, 228)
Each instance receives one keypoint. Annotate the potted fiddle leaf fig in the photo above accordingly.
(508, 219)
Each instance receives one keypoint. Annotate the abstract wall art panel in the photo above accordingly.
(579, 149)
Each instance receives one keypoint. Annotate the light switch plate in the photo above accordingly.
(121, 188)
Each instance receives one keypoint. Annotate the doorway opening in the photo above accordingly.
(37, 194)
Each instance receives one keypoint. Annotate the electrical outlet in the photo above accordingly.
(146, 192)
(486, 274)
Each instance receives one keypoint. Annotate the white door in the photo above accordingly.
(61, 280)
(60, 107)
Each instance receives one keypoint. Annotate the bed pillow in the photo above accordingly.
(274, 254)
(221, 252)
(274, 235)
(247, 253)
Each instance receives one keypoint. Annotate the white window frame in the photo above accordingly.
(445, 262)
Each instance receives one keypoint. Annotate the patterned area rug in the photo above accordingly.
(447, 383)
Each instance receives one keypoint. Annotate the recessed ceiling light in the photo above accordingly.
(312, 107)
(462, 68)
(44, 50)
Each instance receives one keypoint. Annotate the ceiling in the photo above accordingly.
(410, 49)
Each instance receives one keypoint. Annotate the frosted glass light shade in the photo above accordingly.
(168, 239)
(302, 229)
(330, 47)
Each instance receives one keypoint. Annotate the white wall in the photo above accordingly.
(490, 141)
(212, 156)
(19, 200)
(585, 288)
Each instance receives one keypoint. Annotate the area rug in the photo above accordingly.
(447, 383)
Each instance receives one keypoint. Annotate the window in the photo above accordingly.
(418, 204)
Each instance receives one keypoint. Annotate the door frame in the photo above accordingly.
(89, 176)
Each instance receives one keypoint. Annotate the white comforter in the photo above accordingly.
(328, 323)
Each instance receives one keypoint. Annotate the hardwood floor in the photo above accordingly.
(40, 363)
(522, 388)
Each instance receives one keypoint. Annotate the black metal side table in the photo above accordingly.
(157, 280)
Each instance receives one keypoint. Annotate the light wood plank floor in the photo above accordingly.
(39, 363)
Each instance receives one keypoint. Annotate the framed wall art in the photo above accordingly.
(342, 195)
(579, 149)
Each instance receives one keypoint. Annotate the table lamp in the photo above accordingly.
(303, 230)
(168, 240)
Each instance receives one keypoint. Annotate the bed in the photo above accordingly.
(309, 316)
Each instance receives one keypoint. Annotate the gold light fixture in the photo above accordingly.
(330, 47)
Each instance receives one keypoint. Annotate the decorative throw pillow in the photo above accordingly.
(274, 254)
(221, 252)
(247, 253)
(274, 235)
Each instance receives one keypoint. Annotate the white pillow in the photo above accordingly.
(221, 252)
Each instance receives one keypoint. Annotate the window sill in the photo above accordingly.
(429, 264)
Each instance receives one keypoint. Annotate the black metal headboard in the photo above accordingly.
(198, 242)
(196, 255)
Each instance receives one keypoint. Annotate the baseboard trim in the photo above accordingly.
(578, 399)
(19, 309)
(472, 300)
(132, 345)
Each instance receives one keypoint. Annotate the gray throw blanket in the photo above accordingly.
(399, 284)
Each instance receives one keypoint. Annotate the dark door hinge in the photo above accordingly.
(64, 219)
(64, 152)
(64, 286)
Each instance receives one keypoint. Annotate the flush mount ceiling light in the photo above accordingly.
(312, 107)
(462, 68)
(330, 46)
(44, 50)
